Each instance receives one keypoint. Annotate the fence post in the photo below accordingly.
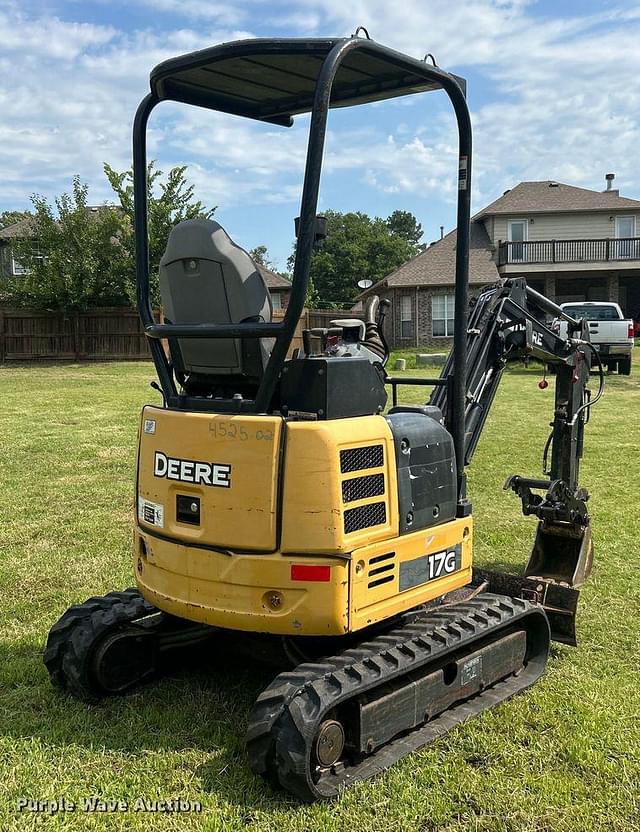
(76, 335)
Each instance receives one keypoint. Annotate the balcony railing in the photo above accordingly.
(569, 251)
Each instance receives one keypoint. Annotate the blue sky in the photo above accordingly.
(554, 90)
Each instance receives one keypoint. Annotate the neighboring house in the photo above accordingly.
(9, 266)
(279, 287)
(571, 244)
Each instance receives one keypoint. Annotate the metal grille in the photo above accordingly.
(362, 517)
(360, 487)
(357, 459)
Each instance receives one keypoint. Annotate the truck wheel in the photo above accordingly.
(624, 367)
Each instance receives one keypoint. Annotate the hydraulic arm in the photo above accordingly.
(507, 323)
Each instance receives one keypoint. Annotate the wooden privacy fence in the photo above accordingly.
(113, 334)
(322, 317)
(95, 335)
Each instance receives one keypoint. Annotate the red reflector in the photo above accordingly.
(309, 572)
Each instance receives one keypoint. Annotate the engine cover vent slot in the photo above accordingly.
(362, 517)
(358, 459)
(359, 488)
(378, 581)
(386, 567)
(379, 558)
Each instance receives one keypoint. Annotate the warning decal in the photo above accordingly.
(151, 513)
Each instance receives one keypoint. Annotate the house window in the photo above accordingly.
(442, 315)
(517, 234)
(17, 269)
(406, 317)
(276, 300)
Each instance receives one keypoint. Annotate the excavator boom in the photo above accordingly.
(507, 322)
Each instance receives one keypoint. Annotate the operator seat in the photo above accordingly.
(205, 278)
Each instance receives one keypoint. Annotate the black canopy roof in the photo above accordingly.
(273, 80)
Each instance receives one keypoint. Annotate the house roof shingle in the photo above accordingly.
(22, 228)
(273, 280)
(435, 266)
(551, 197)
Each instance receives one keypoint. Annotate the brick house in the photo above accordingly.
(571, 244)
(279, 288)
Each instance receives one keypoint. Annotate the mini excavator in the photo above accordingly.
(280, 504)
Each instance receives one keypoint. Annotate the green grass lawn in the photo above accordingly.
(564, 756)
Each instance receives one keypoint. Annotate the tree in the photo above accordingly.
(357, 246)
(169, 202)
(406, 225)
(72, 258)
(11, 217)
(260, 255)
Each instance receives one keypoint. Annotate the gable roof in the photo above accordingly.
(550, 197)
(22, 228)
(435, 266)
(273, 280)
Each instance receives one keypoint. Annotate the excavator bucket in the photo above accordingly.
(560, 562)
(560, 602)
(561, 553)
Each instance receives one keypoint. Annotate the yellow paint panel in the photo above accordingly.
(371, 603)
(313, 509)
(233, 591)
(241, 515)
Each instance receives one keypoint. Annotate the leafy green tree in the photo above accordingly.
(357, 246)
(170, 201)
(405, 225)
(73, 257)
(260, 255)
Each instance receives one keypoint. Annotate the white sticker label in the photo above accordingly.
(151, 513)
(471, 670)
(463, 173)
(149, 426)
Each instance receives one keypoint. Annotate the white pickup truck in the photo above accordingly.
(611, 332)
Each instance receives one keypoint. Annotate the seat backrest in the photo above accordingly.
(205, 278)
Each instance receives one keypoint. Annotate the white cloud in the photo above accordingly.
(50, 37)
(222, 13)
(552, 98)
(565, 90)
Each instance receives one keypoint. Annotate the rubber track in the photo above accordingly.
(69, 646)
(287, 714)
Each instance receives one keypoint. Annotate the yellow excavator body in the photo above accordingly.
(255, 523)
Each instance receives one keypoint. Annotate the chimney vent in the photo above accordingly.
(441, 231)
(610, 177)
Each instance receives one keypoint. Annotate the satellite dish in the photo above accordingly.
(365, 283)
